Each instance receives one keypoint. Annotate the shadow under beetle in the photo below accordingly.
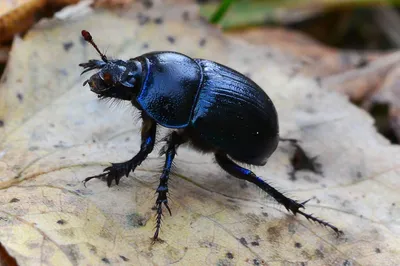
(211, 106)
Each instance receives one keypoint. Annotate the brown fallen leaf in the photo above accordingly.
(362, 83)
(319, 60)
(359, 75)
(17, 16)
(114, 3)
(4, 50)
(54, 133)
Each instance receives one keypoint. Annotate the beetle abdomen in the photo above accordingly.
(234, 115)
(169, 88)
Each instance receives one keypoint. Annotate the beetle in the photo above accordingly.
(211, 106)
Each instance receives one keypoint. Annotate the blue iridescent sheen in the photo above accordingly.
(149, 140)
(242, 170)
(224, 109)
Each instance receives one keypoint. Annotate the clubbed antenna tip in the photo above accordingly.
(88, 37)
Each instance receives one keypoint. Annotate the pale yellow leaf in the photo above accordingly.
(55, 133)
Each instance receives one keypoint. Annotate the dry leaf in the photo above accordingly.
(366, 77)
(17, 16)
(54, 133)
(319, 59)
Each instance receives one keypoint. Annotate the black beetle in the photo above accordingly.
(209, 105)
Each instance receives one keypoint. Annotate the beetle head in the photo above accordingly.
(116, 78)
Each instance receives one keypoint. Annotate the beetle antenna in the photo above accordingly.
(88, 37)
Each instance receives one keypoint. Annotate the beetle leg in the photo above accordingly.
(91, 65)
(173, 142)
(291, 205)
(117, 170)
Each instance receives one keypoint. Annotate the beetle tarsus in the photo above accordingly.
(290, 205)
(173, 142)
(114, 172)
(159, 215)
(117, 170)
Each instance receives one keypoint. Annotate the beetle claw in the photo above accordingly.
(114, 172)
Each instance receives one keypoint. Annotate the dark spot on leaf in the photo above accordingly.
(255, 243)
(123, 258)
(319, 254)
(256, 262)
(92, 249)
(378, 250)
(61, 221)
(20, 97)
(13, 200)
(229, 255)
(185, 15)
(62, 157)
(1, 123)
(145, 45)
(265, 214)
(63, 72)
(147, 3)
(171, 39)
(67, 46)
(297, 245)
(158, 20)
(202, 42)
(136, 220)
(143, 19)
(274, 233)
(82, 41)
(105, 260)
(362, 63)
(243, 241)
(319, 81)
(243, 184)
(303, 263)
(347, 263)
(52, 125)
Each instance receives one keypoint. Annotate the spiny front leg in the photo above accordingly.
(173, 141)
(291, 205)
(117, 170)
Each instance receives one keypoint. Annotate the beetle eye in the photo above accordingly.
(107, 78)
